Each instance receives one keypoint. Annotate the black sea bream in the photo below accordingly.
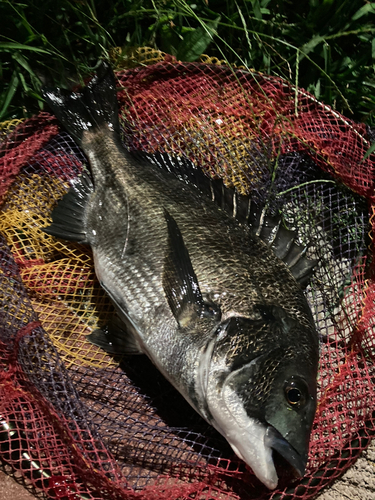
(195, 289)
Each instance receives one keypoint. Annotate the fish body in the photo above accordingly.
(205, 298)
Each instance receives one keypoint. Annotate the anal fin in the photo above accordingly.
(68, 215)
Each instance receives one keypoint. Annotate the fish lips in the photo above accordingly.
(277, 442)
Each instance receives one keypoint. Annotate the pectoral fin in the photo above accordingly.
(180, 282)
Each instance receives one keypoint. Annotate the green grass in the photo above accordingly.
(326, 46)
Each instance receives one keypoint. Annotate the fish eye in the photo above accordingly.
(294, 394)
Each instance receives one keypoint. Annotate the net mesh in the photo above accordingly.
(77, 423)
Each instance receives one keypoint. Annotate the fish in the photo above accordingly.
(203, 281)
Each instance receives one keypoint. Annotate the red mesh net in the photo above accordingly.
(79, 424)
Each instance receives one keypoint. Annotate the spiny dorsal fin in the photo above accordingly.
(282, 242)
(68, 215)
(270, 229)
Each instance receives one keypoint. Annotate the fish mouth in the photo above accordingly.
(277, 442)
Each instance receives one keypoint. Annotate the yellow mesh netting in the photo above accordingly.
(58, 275)
(9, 125)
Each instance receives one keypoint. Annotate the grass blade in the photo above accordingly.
(196, 42)
(12, 87)
(21, 46)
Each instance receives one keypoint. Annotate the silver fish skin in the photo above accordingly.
(213, 307)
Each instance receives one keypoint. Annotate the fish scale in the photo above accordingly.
(195, 287)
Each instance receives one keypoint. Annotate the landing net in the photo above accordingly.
(76, 423)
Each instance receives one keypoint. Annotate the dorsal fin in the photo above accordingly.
(282, 242)
(268, 228)
(228, 199)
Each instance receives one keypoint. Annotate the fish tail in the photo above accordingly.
(95, 107)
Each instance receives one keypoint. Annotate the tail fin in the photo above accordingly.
(94, 107)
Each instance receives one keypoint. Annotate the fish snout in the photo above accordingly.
(273, 439)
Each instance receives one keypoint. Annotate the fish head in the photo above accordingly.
(263, 397)
(289, 413)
